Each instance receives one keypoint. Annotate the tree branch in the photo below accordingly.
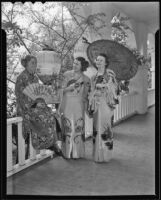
(75, 41)
(6, 16)
(12, 13)
(76, 20)
(22, 42)
(11, 81)
(63, 22)
(47, 25)
(33, 41)
(14, 70)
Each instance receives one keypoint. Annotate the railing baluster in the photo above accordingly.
(21, 145)
(125, 104)
(122, 107)
(132, 104)
(32, 151)
(126, 113)
(129, 104)
(9, 148)
(117, 112)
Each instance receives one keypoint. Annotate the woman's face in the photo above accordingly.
(100, 62)
(41, 105)
(31, 65)
(77, 65)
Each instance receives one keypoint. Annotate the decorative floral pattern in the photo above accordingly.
(43, 126)
(67, 129)
(103, 100)
(24, 102)
(107, 137)
(108, 91)
(73, 108)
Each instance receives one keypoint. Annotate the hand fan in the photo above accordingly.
(37, 90)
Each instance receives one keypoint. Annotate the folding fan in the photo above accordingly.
(37, 90)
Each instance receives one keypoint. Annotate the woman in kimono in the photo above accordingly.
(72, 109)
(44, 125)
(27, 77)
(102, 101)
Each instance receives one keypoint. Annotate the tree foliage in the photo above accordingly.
(55, 26)
(120, 29)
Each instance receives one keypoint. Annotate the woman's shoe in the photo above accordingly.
(57, 151)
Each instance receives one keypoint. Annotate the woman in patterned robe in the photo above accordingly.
(39, 121)
(74, 104)
(23, 102)
(102, 101)
(44, 125)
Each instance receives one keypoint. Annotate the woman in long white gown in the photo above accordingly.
(103, 98)
(73, 106)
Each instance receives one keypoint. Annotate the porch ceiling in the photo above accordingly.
(147, 12)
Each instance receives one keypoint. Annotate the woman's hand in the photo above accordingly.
(70, 88)
(97, 93)
(100, 85)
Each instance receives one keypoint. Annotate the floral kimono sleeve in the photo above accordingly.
(91, 97)
(65, 80)
(22, 99)
(112, 88)
(92, 83)
(87, 88)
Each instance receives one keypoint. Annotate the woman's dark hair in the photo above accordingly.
(37, 101)
(84, 63)
(25, 60)
(106, 59)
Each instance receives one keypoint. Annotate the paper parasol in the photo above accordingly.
(121, 59)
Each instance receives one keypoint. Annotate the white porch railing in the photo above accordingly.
(34, 157)
(125, 108)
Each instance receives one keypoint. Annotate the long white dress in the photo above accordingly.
(90, 72)
(73, 112)
(102, 102)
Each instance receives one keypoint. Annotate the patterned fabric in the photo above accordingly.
(24, 102)
(43, 125)
(102, 101)
(73, 109)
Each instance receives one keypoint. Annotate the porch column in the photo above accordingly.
(152, 51)
(140, 82)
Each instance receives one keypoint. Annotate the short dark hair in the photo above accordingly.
(84, 63)
(25, 60)
(39, 99)
(106, 59)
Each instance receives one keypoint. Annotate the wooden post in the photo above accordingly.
(32, 151)
(21, 145)
(9, 148)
